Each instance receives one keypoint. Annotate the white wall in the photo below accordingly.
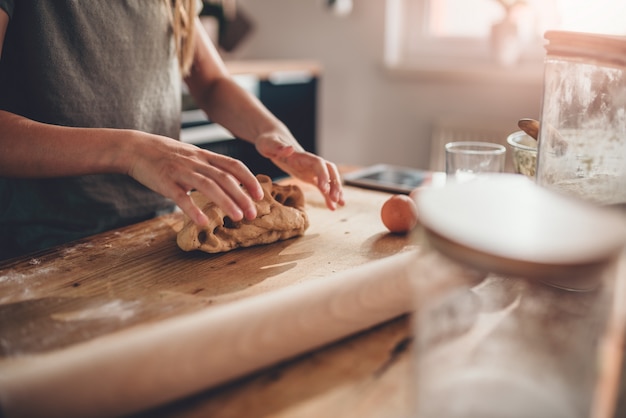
(367, 115)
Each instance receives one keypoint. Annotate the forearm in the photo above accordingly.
(225, 102)
(243, 114)
(167, 166)
(33, 149)
(247, 118)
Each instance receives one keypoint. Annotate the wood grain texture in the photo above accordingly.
(136, 278)
(148, 365)
(366, 375)
(131, 308)
(137, 274)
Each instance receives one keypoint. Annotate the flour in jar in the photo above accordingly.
(602, 189)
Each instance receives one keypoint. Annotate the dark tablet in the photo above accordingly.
(390, 178)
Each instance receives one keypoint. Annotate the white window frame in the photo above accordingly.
(409, 50)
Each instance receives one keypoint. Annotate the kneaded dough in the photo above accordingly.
(280, 215)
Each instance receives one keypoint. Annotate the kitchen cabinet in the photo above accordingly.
(287, 88)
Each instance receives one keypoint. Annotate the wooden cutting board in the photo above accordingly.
(137, 274)
(125, 320)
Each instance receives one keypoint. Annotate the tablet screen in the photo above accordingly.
(389, 178)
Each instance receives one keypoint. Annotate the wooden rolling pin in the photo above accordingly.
(152, 364)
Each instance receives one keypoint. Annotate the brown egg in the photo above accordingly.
(399, 214)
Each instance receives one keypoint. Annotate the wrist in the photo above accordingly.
(282, 136)
(124, 146)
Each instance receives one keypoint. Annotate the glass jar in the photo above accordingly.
(515, 308)
(582, 137)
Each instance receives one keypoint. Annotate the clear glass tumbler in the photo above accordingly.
(465, 159)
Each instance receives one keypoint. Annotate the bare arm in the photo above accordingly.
(223, 100)
(31, 149)
(245, 116)
(4, 22)
(169, 167)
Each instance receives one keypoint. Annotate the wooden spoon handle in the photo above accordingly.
(530, 126)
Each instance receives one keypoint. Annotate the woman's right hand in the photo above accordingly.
(165, 165)
(173, 168)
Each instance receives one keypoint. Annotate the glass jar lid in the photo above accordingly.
(605, 49)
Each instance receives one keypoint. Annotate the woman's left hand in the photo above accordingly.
(289, 156)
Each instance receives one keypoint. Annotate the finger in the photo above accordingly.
(188, 206)
(334, 196)
(323, 179)
(324, 175)
(332, 189)
(226, 193)
(240, 175)
(329, 203)
(220, 178)
(336, 186)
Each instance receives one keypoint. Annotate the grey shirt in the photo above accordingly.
(85, 64)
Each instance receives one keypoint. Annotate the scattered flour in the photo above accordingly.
(119, 309)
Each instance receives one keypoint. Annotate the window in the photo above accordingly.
(459, 35)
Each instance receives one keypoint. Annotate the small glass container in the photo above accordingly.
(523, 153)
(582, 137)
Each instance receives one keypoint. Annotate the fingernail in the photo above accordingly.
(202, 219)
(251, 214)
(236, 215)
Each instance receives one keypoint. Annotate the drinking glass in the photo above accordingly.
(465, 159)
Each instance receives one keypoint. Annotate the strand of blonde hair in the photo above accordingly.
(182, 15)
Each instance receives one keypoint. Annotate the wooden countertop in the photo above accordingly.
(265, 69)
(138, 274)
(127, 278)
(118, 280)
(366, 375)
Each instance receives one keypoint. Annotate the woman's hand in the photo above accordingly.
(173, 168)
(289, 156)
(226, 103)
